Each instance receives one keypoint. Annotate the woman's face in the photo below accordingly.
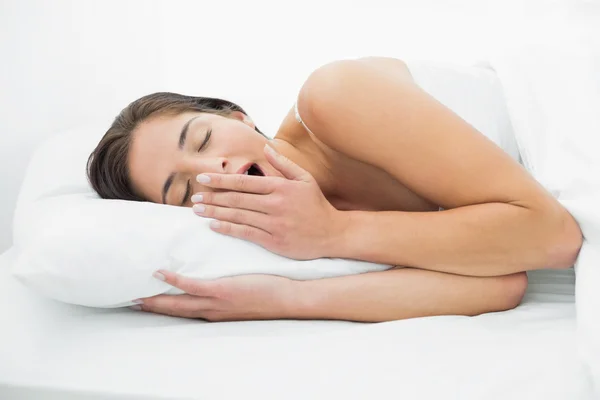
(168, 152)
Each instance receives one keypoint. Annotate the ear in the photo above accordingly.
(242, 117)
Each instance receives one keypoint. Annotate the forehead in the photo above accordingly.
(153, 150)
(167, 125)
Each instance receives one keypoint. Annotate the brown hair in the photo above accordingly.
(107, 166)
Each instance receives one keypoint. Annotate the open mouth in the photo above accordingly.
(254, 170)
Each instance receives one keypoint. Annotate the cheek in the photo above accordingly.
(144, 183)
(199, 188)
(143, 175)
(240, 141)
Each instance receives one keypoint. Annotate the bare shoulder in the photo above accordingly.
(372, 111)
(327, 84)
(339, 70)
(390, 65)
(387, 65)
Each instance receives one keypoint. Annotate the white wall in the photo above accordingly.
(67, 62)
(63, 63)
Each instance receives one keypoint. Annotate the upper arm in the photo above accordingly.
(386, 120)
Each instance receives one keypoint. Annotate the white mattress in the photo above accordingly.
(50, 350)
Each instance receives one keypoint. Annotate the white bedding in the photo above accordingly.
(552, 91)
(50, 350)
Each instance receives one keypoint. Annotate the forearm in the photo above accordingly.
(404, 293)
(479, 240)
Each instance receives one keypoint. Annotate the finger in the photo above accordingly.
(197, 287)
(239, 231)
(240, 183)
(184, 305)
(240, 200)
(235, 215)
(287, 167)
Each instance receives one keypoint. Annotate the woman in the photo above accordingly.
(367, 166)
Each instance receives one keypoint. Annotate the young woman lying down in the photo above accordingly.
(366, 165)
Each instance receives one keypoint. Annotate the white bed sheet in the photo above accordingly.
(50, 350)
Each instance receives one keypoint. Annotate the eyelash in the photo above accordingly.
(188, 189)
(206, 139)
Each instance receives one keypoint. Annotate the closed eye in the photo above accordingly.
(206, 139)
(188, 191)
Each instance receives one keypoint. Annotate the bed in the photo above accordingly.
(51, 350)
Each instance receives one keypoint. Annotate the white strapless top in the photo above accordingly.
(299, 118)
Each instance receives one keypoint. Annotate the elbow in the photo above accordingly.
(507, 292)
(515, 286)
(565, 242)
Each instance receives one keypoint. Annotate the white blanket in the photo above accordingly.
(51, 350)
(553, 98)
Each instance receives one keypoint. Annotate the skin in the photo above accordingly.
(154, 152)
(363, 183)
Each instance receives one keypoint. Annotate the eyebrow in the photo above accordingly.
(180, 145)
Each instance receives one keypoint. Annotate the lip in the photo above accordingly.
(244, 168)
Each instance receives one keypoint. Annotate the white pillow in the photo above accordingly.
(76, 248)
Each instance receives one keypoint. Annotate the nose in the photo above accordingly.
(196, 166)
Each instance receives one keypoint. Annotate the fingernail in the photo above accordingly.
(215, 224)
(138, 301)
(203, 178)
(136, 308)
(199, 208)
(197, 198)
(159, 276)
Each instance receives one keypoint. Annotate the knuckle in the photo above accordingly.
(218, 289)
(278, 225)
(269, 226)
(208, 197)
(148, 304)
(188, 287)
(225, 227)
(175, 280)
(211, 211)
(278, 242)
(237, 216)
(247, 232)
(235, 199)
(239, 181)
(277, 202)
(278, 184)
(178, 306)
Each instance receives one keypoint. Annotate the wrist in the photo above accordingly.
(301, 301)
(342, 243)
